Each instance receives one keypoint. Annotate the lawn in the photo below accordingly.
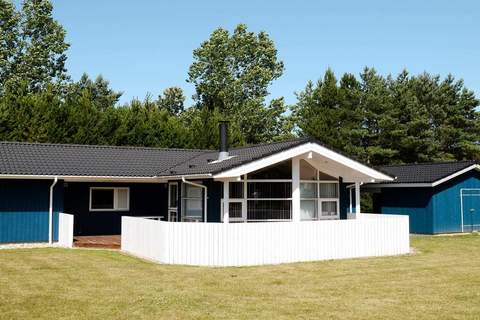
(440, 281)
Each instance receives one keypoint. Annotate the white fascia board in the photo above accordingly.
(299, 150)
(456, 174)
(397, 185)
(160, 179)
(262, 163)
(357, 166)
(82, 178)
(187, 176)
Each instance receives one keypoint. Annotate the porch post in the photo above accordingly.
(296, 189)
(350, 203)
(357, 200)
(226, 199)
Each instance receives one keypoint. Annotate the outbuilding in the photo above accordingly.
(440, 197)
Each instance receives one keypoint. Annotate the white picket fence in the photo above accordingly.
(245, 244)
(65, 230)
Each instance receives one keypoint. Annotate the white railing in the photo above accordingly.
(244, 244)
(65, 230)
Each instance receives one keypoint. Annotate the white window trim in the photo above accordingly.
(115, 199)
(170, 208)
(319, 199)
(185, 199)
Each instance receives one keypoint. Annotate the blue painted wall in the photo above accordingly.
(431, 210)
(214, 196)
(345, 200)
(446, 201)
(414, 202)
(24, 208)
(147, 199)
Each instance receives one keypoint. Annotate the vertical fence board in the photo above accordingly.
(65, 230)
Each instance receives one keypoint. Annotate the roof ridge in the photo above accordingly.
(427, 163)
(300, 139)
(180, 163)
(105, 146)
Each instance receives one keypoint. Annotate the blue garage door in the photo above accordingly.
(470, 209)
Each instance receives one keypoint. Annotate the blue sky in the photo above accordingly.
(145, 46)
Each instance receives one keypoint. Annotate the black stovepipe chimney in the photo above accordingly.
(223, 128)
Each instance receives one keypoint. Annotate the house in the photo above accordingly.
(438, 197)
(293, 180)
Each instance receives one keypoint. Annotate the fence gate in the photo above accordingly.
(470, 206)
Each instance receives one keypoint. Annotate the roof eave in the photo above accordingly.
(305, 147)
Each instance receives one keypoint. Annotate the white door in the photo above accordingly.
(172, 201)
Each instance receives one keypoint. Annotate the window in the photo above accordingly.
(318, 198)
(308, 209)
(329, 208)
(308, 190)
(235, 210)
(307, 172)
(269, 190)
(328, 190)
(109, 199)
(173, 195)
(192, 209)
(265, 210)
(282, 170)
(235, 190)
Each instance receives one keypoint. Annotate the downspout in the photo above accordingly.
(50, 212)
(204, 195)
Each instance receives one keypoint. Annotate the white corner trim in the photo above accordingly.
(299, 150)
(456, 174)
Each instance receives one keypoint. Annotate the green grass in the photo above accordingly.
(440, 281)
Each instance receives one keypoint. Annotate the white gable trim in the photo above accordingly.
(299, 150)
(456, 174)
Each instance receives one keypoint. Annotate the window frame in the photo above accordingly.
(115, 200)
(319, 199)
(185, 199)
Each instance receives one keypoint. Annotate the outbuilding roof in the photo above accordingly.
(421, 173)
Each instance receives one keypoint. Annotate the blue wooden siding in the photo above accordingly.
(414, 202)
(214, 198)
(432, 210)
(24, 208)
(446, 201)
(146, 199)
(344, 200)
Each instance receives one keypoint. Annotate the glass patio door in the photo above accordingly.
(172, 201)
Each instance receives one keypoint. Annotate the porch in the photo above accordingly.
(97, 242)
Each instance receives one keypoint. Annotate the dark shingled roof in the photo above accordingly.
(204, 163)
(425, 172)
(19, 158)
